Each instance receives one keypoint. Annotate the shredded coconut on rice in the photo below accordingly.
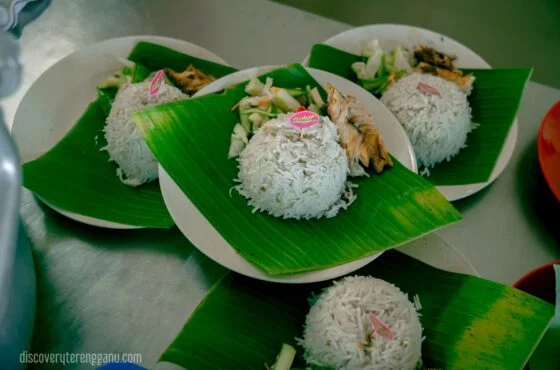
(339, 334)
(436, 124)
(125, 144)
(293, 177)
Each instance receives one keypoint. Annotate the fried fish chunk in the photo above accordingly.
(441, 65)
(190, 80)
(358, 134)
(465, 82)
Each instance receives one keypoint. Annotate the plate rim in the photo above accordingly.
(470, 269)
(451, 192)
(132, 40)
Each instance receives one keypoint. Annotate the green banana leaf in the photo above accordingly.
(494, 101)
(191, 139)
(469, 322)
(76, 176)
(546, 356)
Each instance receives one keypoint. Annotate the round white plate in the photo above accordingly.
(205, 237)
(54, 102)
(392, 35)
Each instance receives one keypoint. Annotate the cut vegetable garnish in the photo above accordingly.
(266, 102)
(285, 358)
(316, 98)
(284, 101)
(131, 73)
(238, 141)
(259, 111)
(263, 101)
(254, 87)
(297, 92)
(115, 81)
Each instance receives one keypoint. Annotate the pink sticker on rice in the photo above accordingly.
(156, 83)
(428, 89)
(304, 119)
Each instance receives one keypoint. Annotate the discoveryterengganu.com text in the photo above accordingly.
(94, 359)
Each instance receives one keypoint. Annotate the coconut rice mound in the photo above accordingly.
(338, 332)
(293, 177)
(437, 125)
(125, 144)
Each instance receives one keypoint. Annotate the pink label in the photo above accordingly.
(380, 327)
(428, 89)
(304, 119)
(157, 82)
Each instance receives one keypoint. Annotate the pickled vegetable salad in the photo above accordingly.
(130, 73)
(379, 69)
(266, 102)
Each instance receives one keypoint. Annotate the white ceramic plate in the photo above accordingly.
(52, 105)
(391, 35)
(205, 237)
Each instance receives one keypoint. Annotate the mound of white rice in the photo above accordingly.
(293, 177)
(437, 125)
(125, 144)
(339, 334)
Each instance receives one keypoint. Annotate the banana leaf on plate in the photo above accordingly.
(76, 176)
(494, 101)
(469, 322)
(191, 138)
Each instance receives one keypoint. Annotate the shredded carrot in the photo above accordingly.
(263, 101)
(235, 106)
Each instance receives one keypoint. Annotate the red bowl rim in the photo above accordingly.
(540, 149)
(528, 275)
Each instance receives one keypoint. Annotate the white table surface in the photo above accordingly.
(89, 278)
